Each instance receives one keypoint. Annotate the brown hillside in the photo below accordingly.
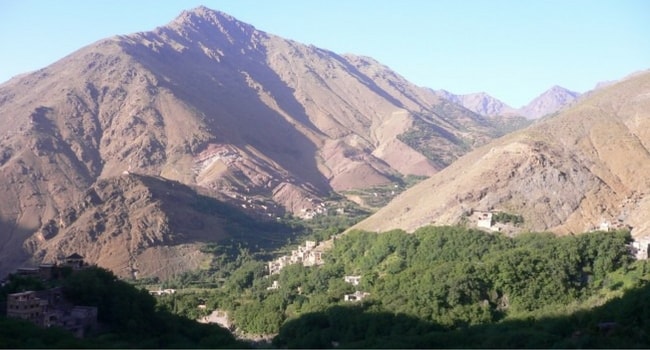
(140, 225)
(566, 174)
(122, 221)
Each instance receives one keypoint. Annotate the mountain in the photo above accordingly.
(567, 173)
(212, 103)
(480, 103)
(138, 225)
(550, 101)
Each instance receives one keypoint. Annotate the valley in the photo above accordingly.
(208, 170)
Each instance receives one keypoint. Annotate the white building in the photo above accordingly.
(354, 280)
(640, 248)
(356, 296)
(604, 226)
(274, 286)
(484, 220)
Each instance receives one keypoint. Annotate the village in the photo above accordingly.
(638, 248)
(49, 308)
(310, 255)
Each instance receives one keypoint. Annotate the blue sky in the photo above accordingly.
(513, 50)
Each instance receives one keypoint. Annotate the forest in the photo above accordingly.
(438, 280)
(129, 317)
(437, 287)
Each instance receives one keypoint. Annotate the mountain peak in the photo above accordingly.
(204, 19)
(558, 88)
(550, 101)
(480, 102)
(202, 13)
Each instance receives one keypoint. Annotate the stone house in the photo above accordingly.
(43, 271)
(353, 280)
(356, 296)
(276, 265)
(27, 306)
(313, 258)
(640, 248)
(49, 308)
(484, 220)
(75, 261)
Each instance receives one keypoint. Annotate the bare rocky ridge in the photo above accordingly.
(211, 102)
(480, 103)
(567, 173)
(549, 102)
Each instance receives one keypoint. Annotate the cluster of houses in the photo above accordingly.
(308, 255)
(353, 280)
(357, 295)
(639, 248)
(318, 208)
(46, 272)
(49, 308)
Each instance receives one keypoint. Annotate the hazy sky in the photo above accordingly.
(513, 50)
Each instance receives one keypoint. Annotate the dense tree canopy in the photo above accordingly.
(436, 287)
(451, 277)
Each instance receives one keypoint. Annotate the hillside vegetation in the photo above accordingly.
(128, 317)
(435, 286)
(438, 287)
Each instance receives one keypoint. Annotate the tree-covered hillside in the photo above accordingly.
(128, 318)
(438, 287)
(437, 281)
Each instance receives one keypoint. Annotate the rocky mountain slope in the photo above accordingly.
(567, 173)
(140, 225)
(212, 102)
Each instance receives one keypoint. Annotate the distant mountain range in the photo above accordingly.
(551, 101)
(568, 173)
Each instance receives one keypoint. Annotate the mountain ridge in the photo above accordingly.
(550, 101)
(567, 173)
(209, 101)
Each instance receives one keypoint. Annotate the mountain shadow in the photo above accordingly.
(12, 235)
(126, 317)
(620, 323)
(148, 226)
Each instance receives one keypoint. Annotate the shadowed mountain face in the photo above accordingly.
(211, 102)
(567, 173)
